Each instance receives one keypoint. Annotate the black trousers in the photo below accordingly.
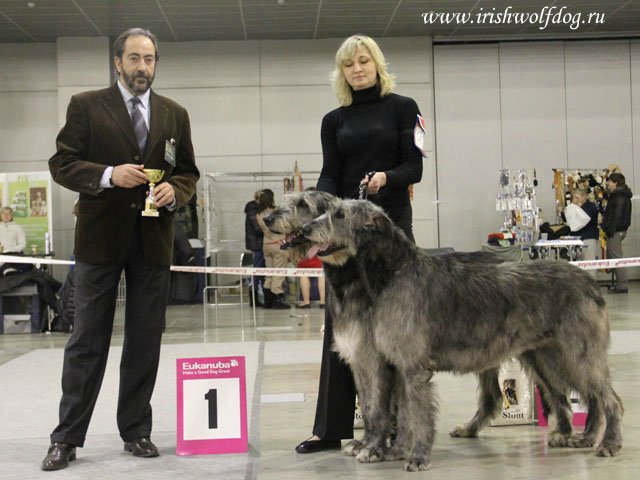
(337, 392)
(85, 356)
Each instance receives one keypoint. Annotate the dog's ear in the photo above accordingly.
(378, 221)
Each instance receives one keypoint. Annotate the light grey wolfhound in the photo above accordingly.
(397, 309)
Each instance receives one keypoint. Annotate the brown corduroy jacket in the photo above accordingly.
(98, 133)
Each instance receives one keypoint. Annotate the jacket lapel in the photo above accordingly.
(159, 114)
(115, 107)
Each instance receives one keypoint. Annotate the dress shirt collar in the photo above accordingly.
(127, 96)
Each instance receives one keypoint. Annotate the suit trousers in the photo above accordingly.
(614, 250)
(85, 355)
(337, 391)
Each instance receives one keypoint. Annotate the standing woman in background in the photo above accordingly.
(372, 131)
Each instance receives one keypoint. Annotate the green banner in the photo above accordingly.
(29, 196)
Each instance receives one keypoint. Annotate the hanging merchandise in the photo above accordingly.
(516, 200)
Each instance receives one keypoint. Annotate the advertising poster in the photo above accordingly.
(29, 195)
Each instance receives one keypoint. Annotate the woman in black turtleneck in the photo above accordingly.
(371, 132)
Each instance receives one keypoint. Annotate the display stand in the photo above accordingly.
(517, 203)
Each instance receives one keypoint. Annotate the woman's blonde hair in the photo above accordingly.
(347, 50)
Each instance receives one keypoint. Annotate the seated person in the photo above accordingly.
(12, 236)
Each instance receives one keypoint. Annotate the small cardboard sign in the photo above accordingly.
(579, 410)
(212, 405)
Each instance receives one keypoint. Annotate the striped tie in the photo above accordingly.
(139, 125)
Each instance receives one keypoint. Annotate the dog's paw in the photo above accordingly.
(370, 455)
(417, 465)
(353, 448)
(462, 431)
(581, 441)
(557, 439)
(394, 453)
(608, 449)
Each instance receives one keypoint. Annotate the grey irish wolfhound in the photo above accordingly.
(401, 315)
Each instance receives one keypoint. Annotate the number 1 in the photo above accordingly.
(212, 397)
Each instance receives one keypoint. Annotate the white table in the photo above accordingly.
(551, 248)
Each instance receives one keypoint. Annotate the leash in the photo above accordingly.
(362, 189)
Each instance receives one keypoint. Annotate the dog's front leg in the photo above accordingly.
(419, 417)
(374, 381)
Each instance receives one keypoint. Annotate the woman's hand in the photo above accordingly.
(376, 182)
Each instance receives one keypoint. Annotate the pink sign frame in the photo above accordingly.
(579, 419)
(188, 369)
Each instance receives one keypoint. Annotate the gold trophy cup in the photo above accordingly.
(154, 176)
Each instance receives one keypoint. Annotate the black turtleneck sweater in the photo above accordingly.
(372, 134)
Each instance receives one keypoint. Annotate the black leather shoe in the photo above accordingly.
(58, 456)
(313, 446)
(142, 447)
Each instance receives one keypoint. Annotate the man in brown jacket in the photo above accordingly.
(110, 135)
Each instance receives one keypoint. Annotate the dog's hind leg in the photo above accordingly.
(594, 385)
(488, 405)
(612, 440)
(419, 417)
(541, 364)
(587, 438)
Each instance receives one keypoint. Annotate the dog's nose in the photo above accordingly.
(268, 220)
(306, 230)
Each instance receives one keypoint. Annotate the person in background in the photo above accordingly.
(109, 136)
(589, 234)
(274, 257)
(253, 239)
(615, 223)
(305, 283)
(372, 131)
(12, 236)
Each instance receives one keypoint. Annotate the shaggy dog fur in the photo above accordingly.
(401, 315)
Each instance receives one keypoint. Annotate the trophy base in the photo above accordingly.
(150, 213)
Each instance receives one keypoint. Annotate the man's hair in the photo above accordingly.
(617, 178)
(118, 45)
(346, 51)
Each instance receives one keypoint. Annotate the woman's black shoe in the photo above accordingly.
(313, 446)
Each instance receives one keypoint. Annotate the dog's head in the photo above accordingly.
(296, 210)
(344, 228)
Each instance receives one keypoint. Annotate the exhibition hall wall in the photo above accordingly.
(256, 106)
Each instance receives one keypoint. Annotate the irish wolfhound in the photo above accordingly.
(416, 314)
(295, 211)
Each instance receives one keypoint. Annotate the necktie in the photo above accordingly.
(139, 125)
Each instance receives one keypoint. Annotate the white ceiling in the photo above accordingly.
(189, 20)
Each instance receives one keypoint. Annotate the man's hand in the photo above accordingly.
(128, 175)
(164, 194)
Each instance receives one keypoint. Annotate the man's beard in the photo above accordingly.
(135, 87)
